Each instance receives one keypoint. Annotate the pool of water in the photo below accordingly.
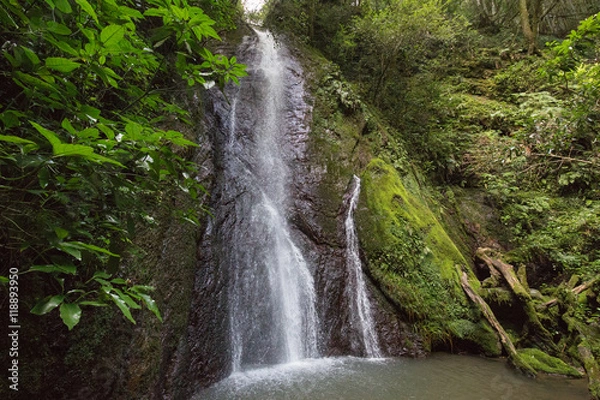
(439, 376)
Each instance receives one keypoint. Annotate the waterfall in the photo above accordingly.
(356, 289)
(272, 313)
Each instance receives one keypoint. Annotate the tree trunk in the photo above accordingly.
(528, 32)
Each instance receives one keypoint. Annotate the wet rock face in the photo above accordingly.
(317, 201)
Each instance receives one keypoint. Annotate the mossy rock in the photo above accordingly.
(409, 253)
(481, 334)
(543, 362)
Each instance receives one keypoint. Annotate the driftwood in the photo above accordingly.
(508, 273)
(487, 312)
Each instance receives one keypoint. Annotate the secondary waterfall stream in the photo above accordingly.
(356, 288)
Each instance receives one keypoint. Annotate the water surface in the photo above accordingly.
(440, 376)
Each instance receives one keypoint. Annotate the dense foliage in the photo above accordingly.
(89, 138)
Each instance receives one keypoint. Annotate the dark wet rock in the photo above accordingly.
(318, 201)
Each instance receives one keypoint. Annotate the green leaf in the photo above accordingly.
(65, 269)
(31, 55)
(85, 6)
(128, 300)
(10, 118)
(47, 304)
(134, 130)
(64, 6)
(91, 247)
(70, 314)
(101, 274)
(122, 306)
(89, 133)
(155, 12)
(22, 78)
(62, 45)
(92, 303)
(48, 134)
(112, 35)
(87, 152)
(70, 249)
(110, 134)
(61, 233)
(43, 177)
(14, 139)
(90, 112)
(130, 12)
(66, 124)
(58, 28)
(151, 304)
(178, 139)
(61, 64)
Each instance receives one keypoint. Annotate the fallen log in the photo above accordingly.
(508, 273)
(576, 290)
(487, 312)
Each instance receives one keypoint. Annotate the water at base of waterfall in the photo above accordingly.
(440, 376)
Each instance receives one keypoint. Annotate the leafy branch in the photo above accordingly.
(82, 155)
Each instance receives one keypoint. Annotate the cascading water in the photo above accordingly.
(356, 289)
(271, 298)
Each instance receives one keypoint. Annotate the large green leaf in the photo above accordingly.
(48, 134)
(85, 6)
(70, 249)
(47, 304)
(64, 6)
(112, 35)
(31, 55)
(70, 150)
(70, 314)
(61, 64)
(61, 45)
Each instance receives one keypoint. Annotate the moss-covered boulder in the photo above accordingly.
(543, 362)
(412, 257)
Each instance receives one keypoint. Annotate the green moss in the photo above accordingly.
(479, 333)
(397, 210)
(543, 362)
(409, 252)
(497, 295)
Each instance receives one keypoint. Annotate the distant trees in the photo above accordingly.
(532, 17)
